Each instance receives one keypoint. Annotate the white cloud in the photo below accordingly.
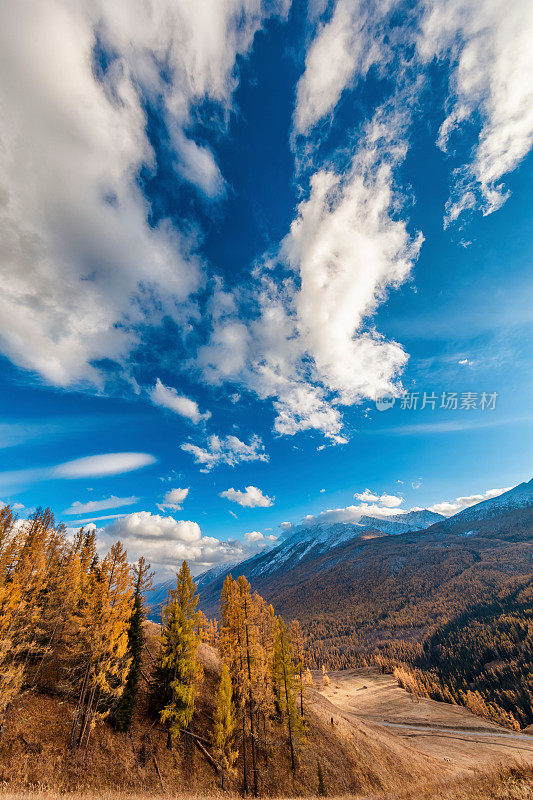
(311, 346)
(252, 497)
(488, 44)
(285, 526)
(383, 506)
(387, 500)
(228, 450)
(344, 47)
(454, 506)
(102, 465)
(89, 521)
(82, 264)
(100, 505)
(165, 542)
(169, 398)
(353, 513)
(259, 540)
(88, 467)
(173, 499)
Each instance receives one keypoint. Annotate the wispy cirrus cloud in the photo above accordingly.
(100, 505)
(96, 466)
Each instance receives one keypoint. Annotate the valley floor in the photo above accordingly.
(450, 733)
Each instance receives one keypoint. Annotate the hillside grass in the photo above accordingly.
(502, 783)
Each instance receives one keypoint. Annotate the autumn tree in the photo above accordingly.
(224, 730)
(298, 652)
(142, 583)
(179, 671)
(105, 612)
(284, 670)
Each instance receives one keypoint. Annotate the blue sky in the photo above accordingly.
(228, 229)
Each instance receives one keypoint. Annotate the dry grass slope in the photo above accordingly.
(509, 783)
(355, 758)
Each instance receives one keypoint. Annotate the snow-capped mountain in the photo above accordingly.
(518, 498)
(316, 539)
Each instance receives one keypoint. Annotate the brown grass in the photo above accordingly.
(503, 783)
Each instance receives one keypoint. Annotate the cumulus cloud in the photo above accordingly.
(100, 505)
(228, 450)
(167, 397)
(252, 497)
(387, 500)
(311, 346)
(260, 540)
(454, 506)
(166, 542)
(83, 266)
(173, 499)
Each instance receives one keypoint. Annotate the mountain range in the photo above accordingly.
(312, 548)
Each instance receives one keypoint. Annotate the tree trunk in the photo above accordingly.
(301, 692)
(293, 765)
(251, 700)
(244, 771)
(252, 732)
(81, 703)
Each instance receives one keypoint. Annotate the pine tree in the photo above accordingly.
(179, 670)
(325, 677)
(123, 713)
(224, 730)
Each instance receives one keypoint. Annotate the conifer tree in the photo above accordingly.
(179, 670)
(142, 583)
(224, 730)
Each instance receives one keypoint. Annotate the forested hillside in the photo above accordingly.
(94, 696)
(482, 659)
(387, 597)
